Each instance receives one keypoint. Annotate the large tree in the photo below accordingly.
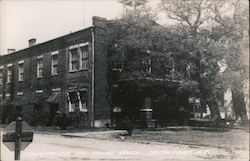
(203, 50)
(145, 49)
(190, 51)
(219, 29)
(232, 29)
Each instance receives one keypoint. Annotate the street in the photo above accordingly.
(59, 148)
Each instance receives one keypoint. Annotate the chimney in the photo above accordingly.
(11, 51)
(32, 42)
(99, 22)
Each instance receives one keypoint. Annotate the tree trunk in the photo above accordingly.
(239, 105)
(214, 108)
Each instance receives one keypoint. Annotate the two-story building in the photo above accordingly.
(63, 75)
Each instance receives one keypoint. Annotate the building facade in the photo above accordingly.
(76, 78)
(64, 75)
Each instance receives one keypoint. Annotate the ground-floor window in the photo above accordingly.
(73, 101)
(84, 101)
(78, 101)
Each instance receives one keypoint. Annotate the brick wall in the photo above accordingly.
(102, 108)
(65, 80)
(31, 83)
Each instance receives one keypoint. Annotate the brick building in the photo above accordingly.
(65, 75)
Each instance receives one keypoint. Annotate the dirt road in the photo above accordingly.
(59, 148)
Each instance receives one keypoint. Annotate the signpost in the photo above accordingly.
(17, 136)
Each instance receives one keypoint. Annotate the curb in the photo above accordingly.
(85, 135)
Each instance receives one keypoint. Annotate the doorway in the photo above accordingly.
(53, 111)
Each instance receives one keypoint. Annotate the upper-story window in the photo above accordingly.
(54, 63)
(116, 65)
(39, 67)
(20, 70)
(73, 60)
(78, 57)
(9, 73)
(84, 57)
(147, 65)
(1, 75)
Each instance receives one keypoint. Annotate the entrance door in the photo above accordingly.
(53, 113)
(36, 115)
(19, 111)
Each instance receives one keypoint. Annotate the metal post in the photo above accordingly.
(18, 138)
(93, 79)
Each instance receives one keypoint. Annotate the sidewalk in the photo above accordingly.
(96, 133)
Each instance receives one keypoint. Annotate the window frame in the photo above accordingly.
(84, 99)
(78, 58)
(53, 64)
(83, 57)
(73, 104)
(9, 74)
(19, 93)
(71, 60)
(20, 74)
(38, 68)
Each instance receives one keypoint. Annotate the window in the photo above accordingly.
(1, 76)
(39, 91)
(147, 65)
(188, 71)
(9, 75)
(73, 101)
(78, 57)
(83, 57)
(39, 68)
(19, 93)
(78, 101)
(117, 65)
(54, 64)
(170, 67)
(84, 101)
(20, 72)
(73, 66)
(173, 73)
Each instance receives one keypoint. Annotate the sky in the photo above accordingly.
(21, 20)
